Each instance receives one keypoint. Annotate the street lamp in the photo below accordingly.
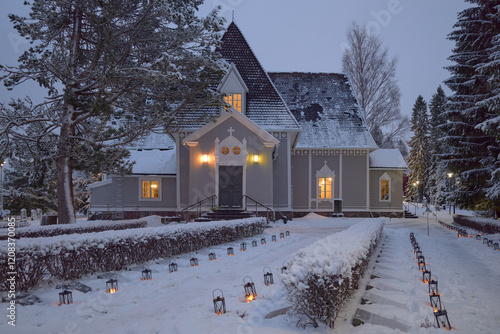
(450, 175)
(1, 189)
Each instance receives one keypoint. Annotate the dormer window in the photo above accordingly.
(234, 100)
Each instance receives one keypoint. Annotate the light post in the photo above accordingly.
(415, 184)
(450, 175)
(1, 189)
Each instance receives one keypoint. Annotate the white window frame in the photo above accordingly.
(145, 178)
(384, 177)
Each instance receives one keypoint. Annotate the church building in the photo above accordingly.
(290, 144)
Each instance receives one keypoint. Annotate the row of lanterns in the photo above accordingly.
(440, 312)
(461, 232)
(66, 296)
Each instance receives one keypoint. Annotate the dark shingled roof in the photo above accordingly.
(264, 104)
(326, 109)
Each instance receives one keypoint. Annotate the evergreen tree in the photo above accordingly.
(437, 172)
(472, 152)
(419, 157)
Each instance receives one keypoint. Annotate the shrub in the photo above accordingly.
(483, 225)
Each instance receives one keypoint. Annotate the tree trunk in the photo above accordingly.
(65, 207)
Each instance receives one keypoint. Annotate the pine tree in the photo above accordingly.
(471, 152)
(437, 172)
(419, 157)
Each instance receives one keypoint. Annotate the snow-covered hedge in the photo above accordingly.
(75, 255)
(483, 225)
(87, 227)
(321, 277)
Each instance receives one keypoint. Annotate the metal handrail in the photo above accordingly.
(185, 210)
(410, 203)
(268, 209)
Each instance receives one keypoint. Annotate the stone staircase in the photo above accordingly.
(223, 214)
(408, 214)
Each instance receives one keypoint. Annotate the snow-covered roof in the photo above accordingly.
(326, 109)
(387, 158)
(153, 141)
(153, 162)
(264, 105)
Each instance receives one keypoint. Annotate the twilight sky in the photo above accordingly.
(308, 36)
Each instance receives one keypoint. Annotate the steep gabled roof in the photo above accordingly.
(264, 105)
(326, 109)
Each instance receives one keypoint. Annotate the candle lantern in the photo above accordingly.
(254, 243)
(193, 262)
(230, 251)
(287, 233)
(172, 267)
(442, 318)
(284, 267)
(243, 247)
(416, 249)
(65, 297)
(496, 246)
(146, 275)
(421, 263)
(478, 237)
(412, 234)
(268, 276)
(263, 241)
(418, 253)
(426, 274)
(111, 286)
(435, 301)
(212, 256)
(250, 292)
(273, 238)
(219, 302)
(485, 240)
(433, 286)
(490, 243)
(282, 235)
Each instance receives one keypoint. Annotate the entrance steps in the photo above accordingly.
(223, 214)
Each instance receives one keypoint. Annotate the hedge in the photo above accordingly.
(321, 277)
(483, 225)
(70, 257)
(80, 228)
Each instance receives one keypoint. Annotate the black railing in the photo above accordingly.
(198, 205)
(269, 211)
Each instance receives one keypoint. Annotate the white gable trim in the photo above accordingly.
(233, 73)
(263, 134)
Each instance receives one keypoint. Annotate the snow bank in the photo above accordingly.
(322, 276)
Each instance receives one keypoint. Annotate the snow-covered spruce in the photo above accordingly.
(321, 277)
(87, 227)
(75, 255)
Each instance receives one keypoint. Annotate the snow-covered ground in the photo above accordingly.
(181, 302)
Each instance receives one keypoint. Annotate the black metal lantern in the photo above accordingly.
(243, 246)
(478, 237)
(212, 256)
(485, 240)
(254, 243)
(416, 249)
(172, 267)
(250, 292)
(421, 263)
(146, 275)
(193, 262)
(426, 274)
(268, 276)
(230, 251)
(287, 233)
(496, 246)
(111, 286)
(282, 235)
(442, 318)
(65, 297)
(418, 253)
(273, 238)
(433, 286)
(219, 302)
(412, 234)
(435, 301)
(263, 241)
(284, 267)
(490, 243)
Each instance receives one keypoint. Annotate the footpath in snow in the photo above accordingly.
(181, 302)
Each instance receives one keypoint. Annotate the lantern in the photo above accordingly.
(254, 243)
(243, 247)
(485, 240)
(250, 292)
(230, 251)
(433, 286)
(496, 246)
(212, 256)
(263, 241)
(172, 267)
(418, 253)
(282, 235)
(65, 297)
(268, 276)
(219, 302)
(284, 267)
(111, 286)
(442, 318)
(490, 243)
(426, 274)
(421, 263)
(411, 234)
(435, 301)
(193, 262)
(478, 237)
(273, 238)
(146, 275)
(287, 233)
(416, 249)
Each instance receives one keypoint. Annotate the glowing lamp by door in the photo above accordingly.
(204, 158)
(256, 158)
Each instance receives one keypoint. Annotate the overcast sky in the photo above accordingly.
(308, 36)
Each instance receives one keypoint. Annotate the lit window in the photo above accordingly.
(150, 189)
(224, 150)
(234, 100)
(325, 187)
(385, 188)
(236, 150)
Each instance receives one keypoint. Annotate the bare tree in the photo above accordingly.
(373, 76)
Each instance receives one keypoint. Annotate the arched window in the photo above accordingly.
(325, 180)
(384, 188)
